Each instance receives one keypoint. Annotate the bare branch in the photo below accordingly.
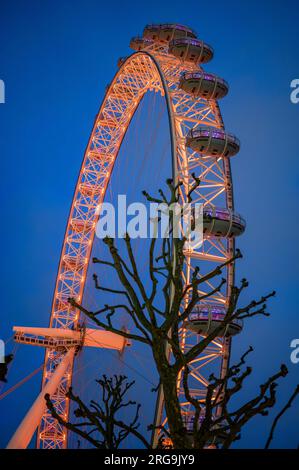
(279, 416)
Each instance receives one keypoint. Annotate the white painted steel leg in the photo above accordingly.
(24, 433)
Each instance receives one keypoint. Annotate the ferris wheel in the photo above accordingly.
(168, 60)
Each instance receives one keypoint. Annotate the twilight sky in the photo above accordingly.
(56, 60)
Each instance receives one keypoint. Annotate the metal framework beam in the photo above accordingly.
(24, 433)
(151, 69)
(54, 338)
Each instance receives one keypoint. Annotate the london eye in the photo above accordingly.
(166, 66)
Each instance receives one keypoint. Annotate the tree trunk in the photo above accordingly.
(172, 406)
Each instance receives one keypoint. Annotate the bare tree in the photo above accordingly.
(100, 423)
(158, 327)
(223, 428)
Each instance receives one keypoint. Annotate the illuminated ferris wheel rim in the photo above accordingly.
(156, 70)
(151, 69)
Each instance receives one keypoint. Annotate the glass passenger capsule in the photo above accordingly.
(203, 85)
(191, 50)
(209, 141)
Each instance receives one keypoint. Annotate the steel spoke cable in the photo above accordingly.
(9, 339)
(21, 382)
(129, 366)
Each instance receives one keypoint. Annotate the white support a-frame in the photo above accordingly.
(55, 337)
(24, 433)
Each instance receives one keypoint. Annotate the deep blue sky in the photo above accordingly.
(56, 59)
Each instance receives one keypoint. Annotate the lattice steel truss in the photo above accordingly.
(153, 68)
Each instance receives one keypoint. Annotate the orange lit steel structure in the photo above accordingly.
(168, 60)
(68, 342)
